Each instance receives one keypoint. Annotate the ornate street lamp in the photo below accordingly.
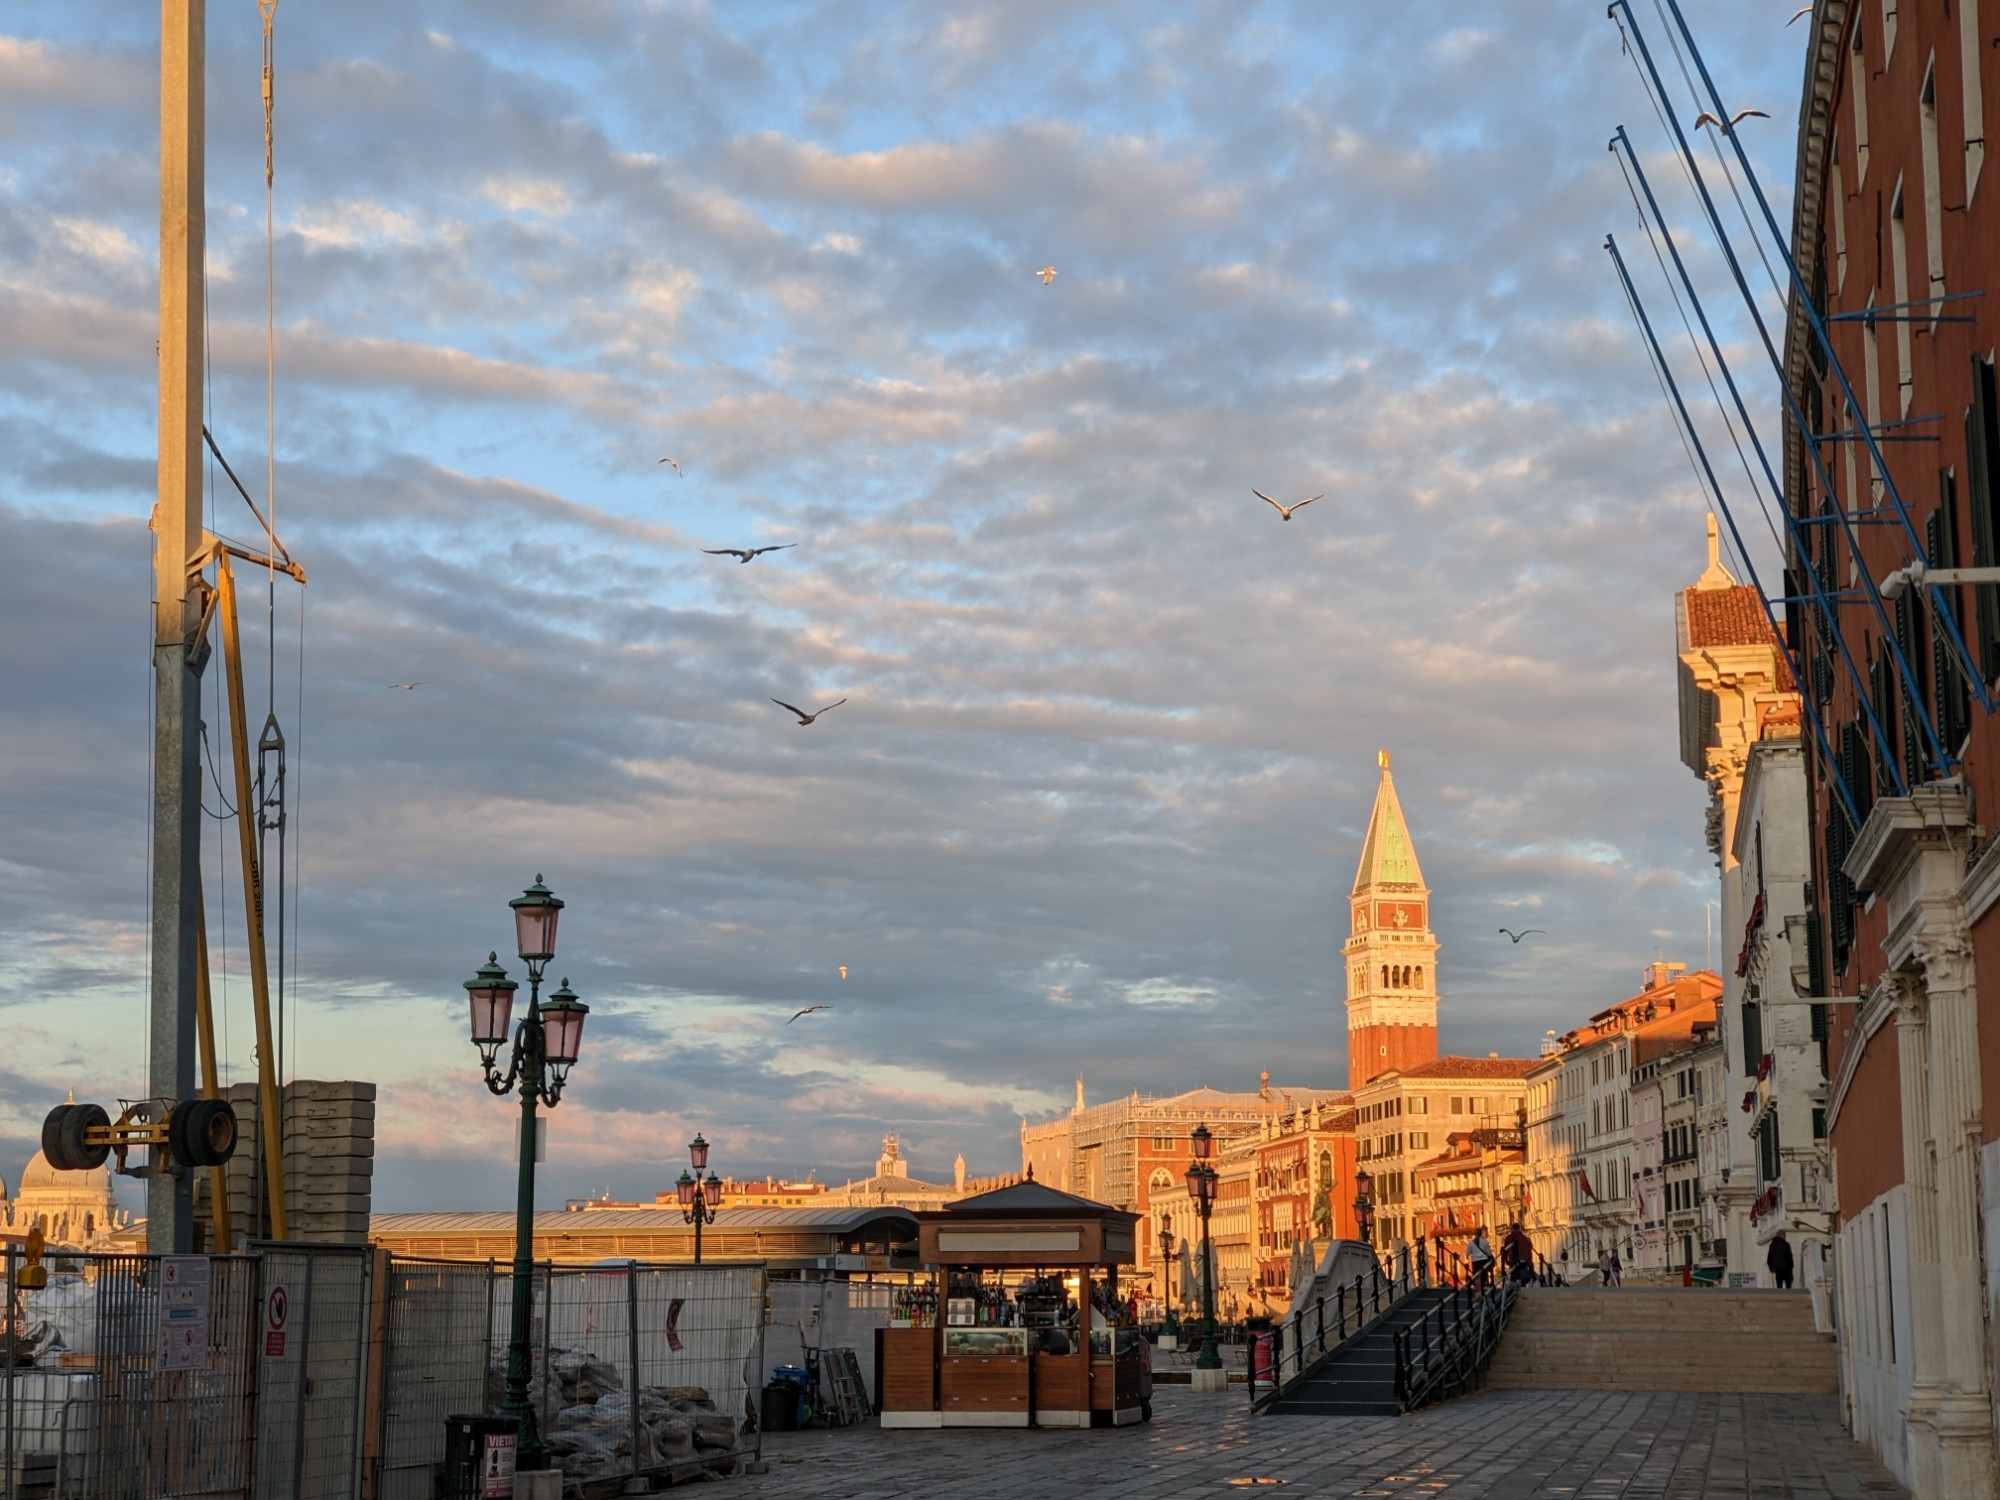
(1167, 1271)
(1202, 1183)
(545, 1047)
(699, 1199)
(1364, 1206)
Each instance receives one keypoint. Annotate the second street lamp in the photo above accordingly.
(1202, 1183)
(545, 1048)
(699, 1199)
(1364, 1206)
(1173, 1326)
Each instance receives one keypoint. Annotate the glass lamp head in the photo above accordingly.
(711, 1191)
(1201, 1140)
(562, 1028)
(535, 913)
(698, 1153)
(491, 993)
(684, 1189)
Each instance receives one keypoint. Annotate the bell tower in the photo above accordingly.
(1391, 951)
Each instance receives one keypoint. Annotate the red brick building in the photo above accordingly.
(1896, 233)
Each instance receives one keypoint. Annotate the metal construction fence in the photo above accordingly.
(326, 1372)
(820, 1313)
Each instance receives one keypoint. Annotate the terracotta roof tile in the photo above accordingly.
(1471, 1067)
(1726, 617)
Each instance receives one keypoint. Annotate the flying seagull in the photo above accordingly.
(1048, 274)
(408, 687)
(1284, 510)
(807, 718)
(1517, 936)
(675, 466)
(1705, 118)
(744, 554)
(806, 1012)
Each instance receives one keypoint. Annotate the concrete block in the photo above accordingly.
(544, 1484)
(1209, 1380)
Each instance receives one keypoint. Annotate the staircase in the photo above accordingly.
(1359, 1380)
(1642, 1339)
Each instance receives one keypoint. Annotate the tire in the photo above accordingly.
(83, 1157)
(202, 1132)
(52, 1137)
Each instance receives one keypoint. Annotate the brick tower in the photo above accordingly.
(1391, 952)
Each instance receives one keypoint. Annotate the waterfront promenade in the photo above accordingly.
(1503, 1445)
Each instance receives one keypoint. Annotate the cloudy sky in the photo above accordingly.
(1093, 803)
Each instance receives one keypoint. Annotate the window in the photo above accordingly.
(1839, 212)
(1899, 273)
(1457, 1105)
(1970, 49)
(1933, 190)
(1857, 88)
(1420, 1138)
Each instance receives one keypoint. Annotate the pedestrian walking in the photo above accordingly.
(1778, 1259)
(1481, 1255)
(1614, 1270)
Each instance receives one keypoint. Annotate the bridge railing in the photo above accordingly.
(1445, 1351)
(1288, 1353)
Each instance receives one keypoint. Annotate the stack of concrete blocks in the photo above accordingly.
(329, 1131)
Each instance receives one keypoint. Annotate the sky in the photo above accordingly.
(1093, 802)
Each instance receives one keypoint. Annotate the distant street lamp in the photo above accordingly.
(545, 1047)
(1167, 1269)
(1364, 1206)
(699, 1199)
(1202, 1183)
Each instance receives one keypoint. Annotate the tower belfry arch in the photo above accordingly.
(1391, 952)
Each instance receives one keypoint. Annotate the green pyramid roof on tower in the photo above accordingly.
(1387, 858)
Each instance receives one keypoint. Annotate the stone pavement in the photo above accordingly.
(1505, 1445)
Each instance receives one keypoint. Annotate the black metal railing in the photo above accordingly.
(1445, 1351)
(1290, 1351)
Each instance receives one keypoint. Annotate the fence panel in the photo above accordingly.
(98, 1414)
(826, 1312)
(312, 1328)
(437, 1318)
(687, 1338)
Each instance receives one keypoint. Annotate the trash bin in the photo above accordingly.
(781, 1406)
(479, 1457)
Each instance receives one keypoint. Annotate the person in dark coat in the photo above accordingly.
(1779, 1260)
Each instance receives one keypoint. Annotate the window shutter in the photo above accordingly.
(1981, 442)
(1950, 696)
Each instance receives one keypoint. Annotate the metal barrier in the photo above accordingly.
(1278, 1362)
(688, 1340)
(1446, 1351)
(325, 1372)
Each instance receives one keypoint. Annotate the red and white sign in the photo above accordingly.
(277, 1308)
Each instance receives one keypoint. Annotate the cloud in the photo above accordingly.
(1095, 798)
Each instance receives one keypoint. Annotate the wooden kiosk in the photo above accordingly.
(1003, 1349)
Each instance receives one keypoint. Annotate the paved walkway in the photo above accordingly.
(1504, 1445)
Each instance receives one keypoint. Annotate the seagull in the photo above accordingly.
(408, 687)
(807, 718)
(843, 971)
(675, 466)
(1705, 118)
(1285, 510)
(806, 1012)
(1517, 936)
(744, 554)
(1048, 274)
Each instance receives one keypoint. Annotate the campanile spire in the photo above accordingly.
(1391, 951)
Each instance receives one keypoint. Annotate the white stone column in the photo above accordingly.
(1963, 1417)
(1927, 1384)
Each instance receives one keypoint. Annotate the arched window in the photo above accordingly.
(1161, 1179)
(1326, 1169)
(1385, 976)
(1420, 976)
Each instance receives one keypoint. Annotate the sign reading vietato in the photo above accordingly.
(1010, 1239)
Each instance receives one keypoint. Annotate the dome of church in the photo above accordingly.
(39, 1175)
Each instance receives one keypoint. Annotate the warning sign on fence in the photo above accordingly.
(183, 1312)
(277, 1308)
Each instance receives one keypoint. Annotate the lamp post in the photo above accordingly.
(1167, 1270)
(1202, 1183)
(699, 1199)
(545, 1046)
(1364, 1206)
